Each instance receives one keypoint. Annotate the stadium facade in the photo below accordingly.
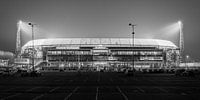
(102, 53)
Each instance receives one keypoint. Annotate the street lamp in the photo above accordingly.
(186, 61)
(32, 26)
(132, 26)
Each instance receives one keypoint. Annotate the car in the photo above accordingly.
(27, 73)
(129, 72)
(179, 72)
(1, 72)
(8, 72)
(186, 73)
(24, 73)
(35, 73)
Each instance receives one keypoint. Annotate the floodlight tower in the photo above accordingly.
(181, 39)
(18, 38)
(33, 45)
(133, 32)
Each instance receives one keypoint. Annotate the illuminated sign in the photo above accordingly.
(100, 51)
(151, 58)
(22, 61)
(67, 47)
(112, 58)
(100, 58)
(100, 47)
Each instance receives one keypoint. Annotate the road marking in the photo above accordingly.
(161, 89)
(97, 93)
(54, 89)
(10, 96)
(37, 97)
(140, 89)
(68, 96)
(32, 89)
(125, 97)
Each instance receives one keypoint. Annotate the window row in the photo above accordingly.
(104, 53)
(137, 52)
(69, 53)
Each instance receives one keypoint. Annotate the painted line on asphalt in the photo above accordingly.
(10, 96)
(54, 89)
(39, 96)
(68, 96)
(125, 97)
(97, 93)
(16, 94)
(161, 89)
(140, 89)
(29, 90)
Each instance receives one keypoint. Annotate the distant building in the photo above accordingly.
(5, 58)
(103, 52)
(190, 65)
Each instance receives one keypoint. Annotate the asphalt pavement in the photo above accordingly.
(99, 86)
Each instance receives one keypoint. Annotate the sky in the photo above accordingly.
(101, 18)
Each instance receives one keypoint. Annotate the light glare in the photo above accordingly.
(179, 22)
(20, 22)
(24, 27)
(173, 28)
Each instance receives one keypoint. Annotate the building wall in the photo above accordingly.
(100, 55)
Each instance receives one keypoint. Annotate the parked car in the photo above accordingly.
(129, 72)
(183, 72)
(27, 73)
(8, 73)
(179, 72)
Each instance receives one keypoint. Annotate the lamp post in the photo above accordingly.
(132, 26)
(32, 27)
(186, 61)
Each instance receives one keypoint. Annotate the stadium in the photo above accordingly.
(102, 53)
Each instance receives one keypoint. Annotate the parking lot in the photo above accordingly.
(99, 86)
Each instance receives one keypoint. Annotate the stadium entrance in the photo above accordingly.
(101, 65)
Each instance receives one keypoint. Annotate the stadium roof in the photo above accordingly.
(101, 41)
